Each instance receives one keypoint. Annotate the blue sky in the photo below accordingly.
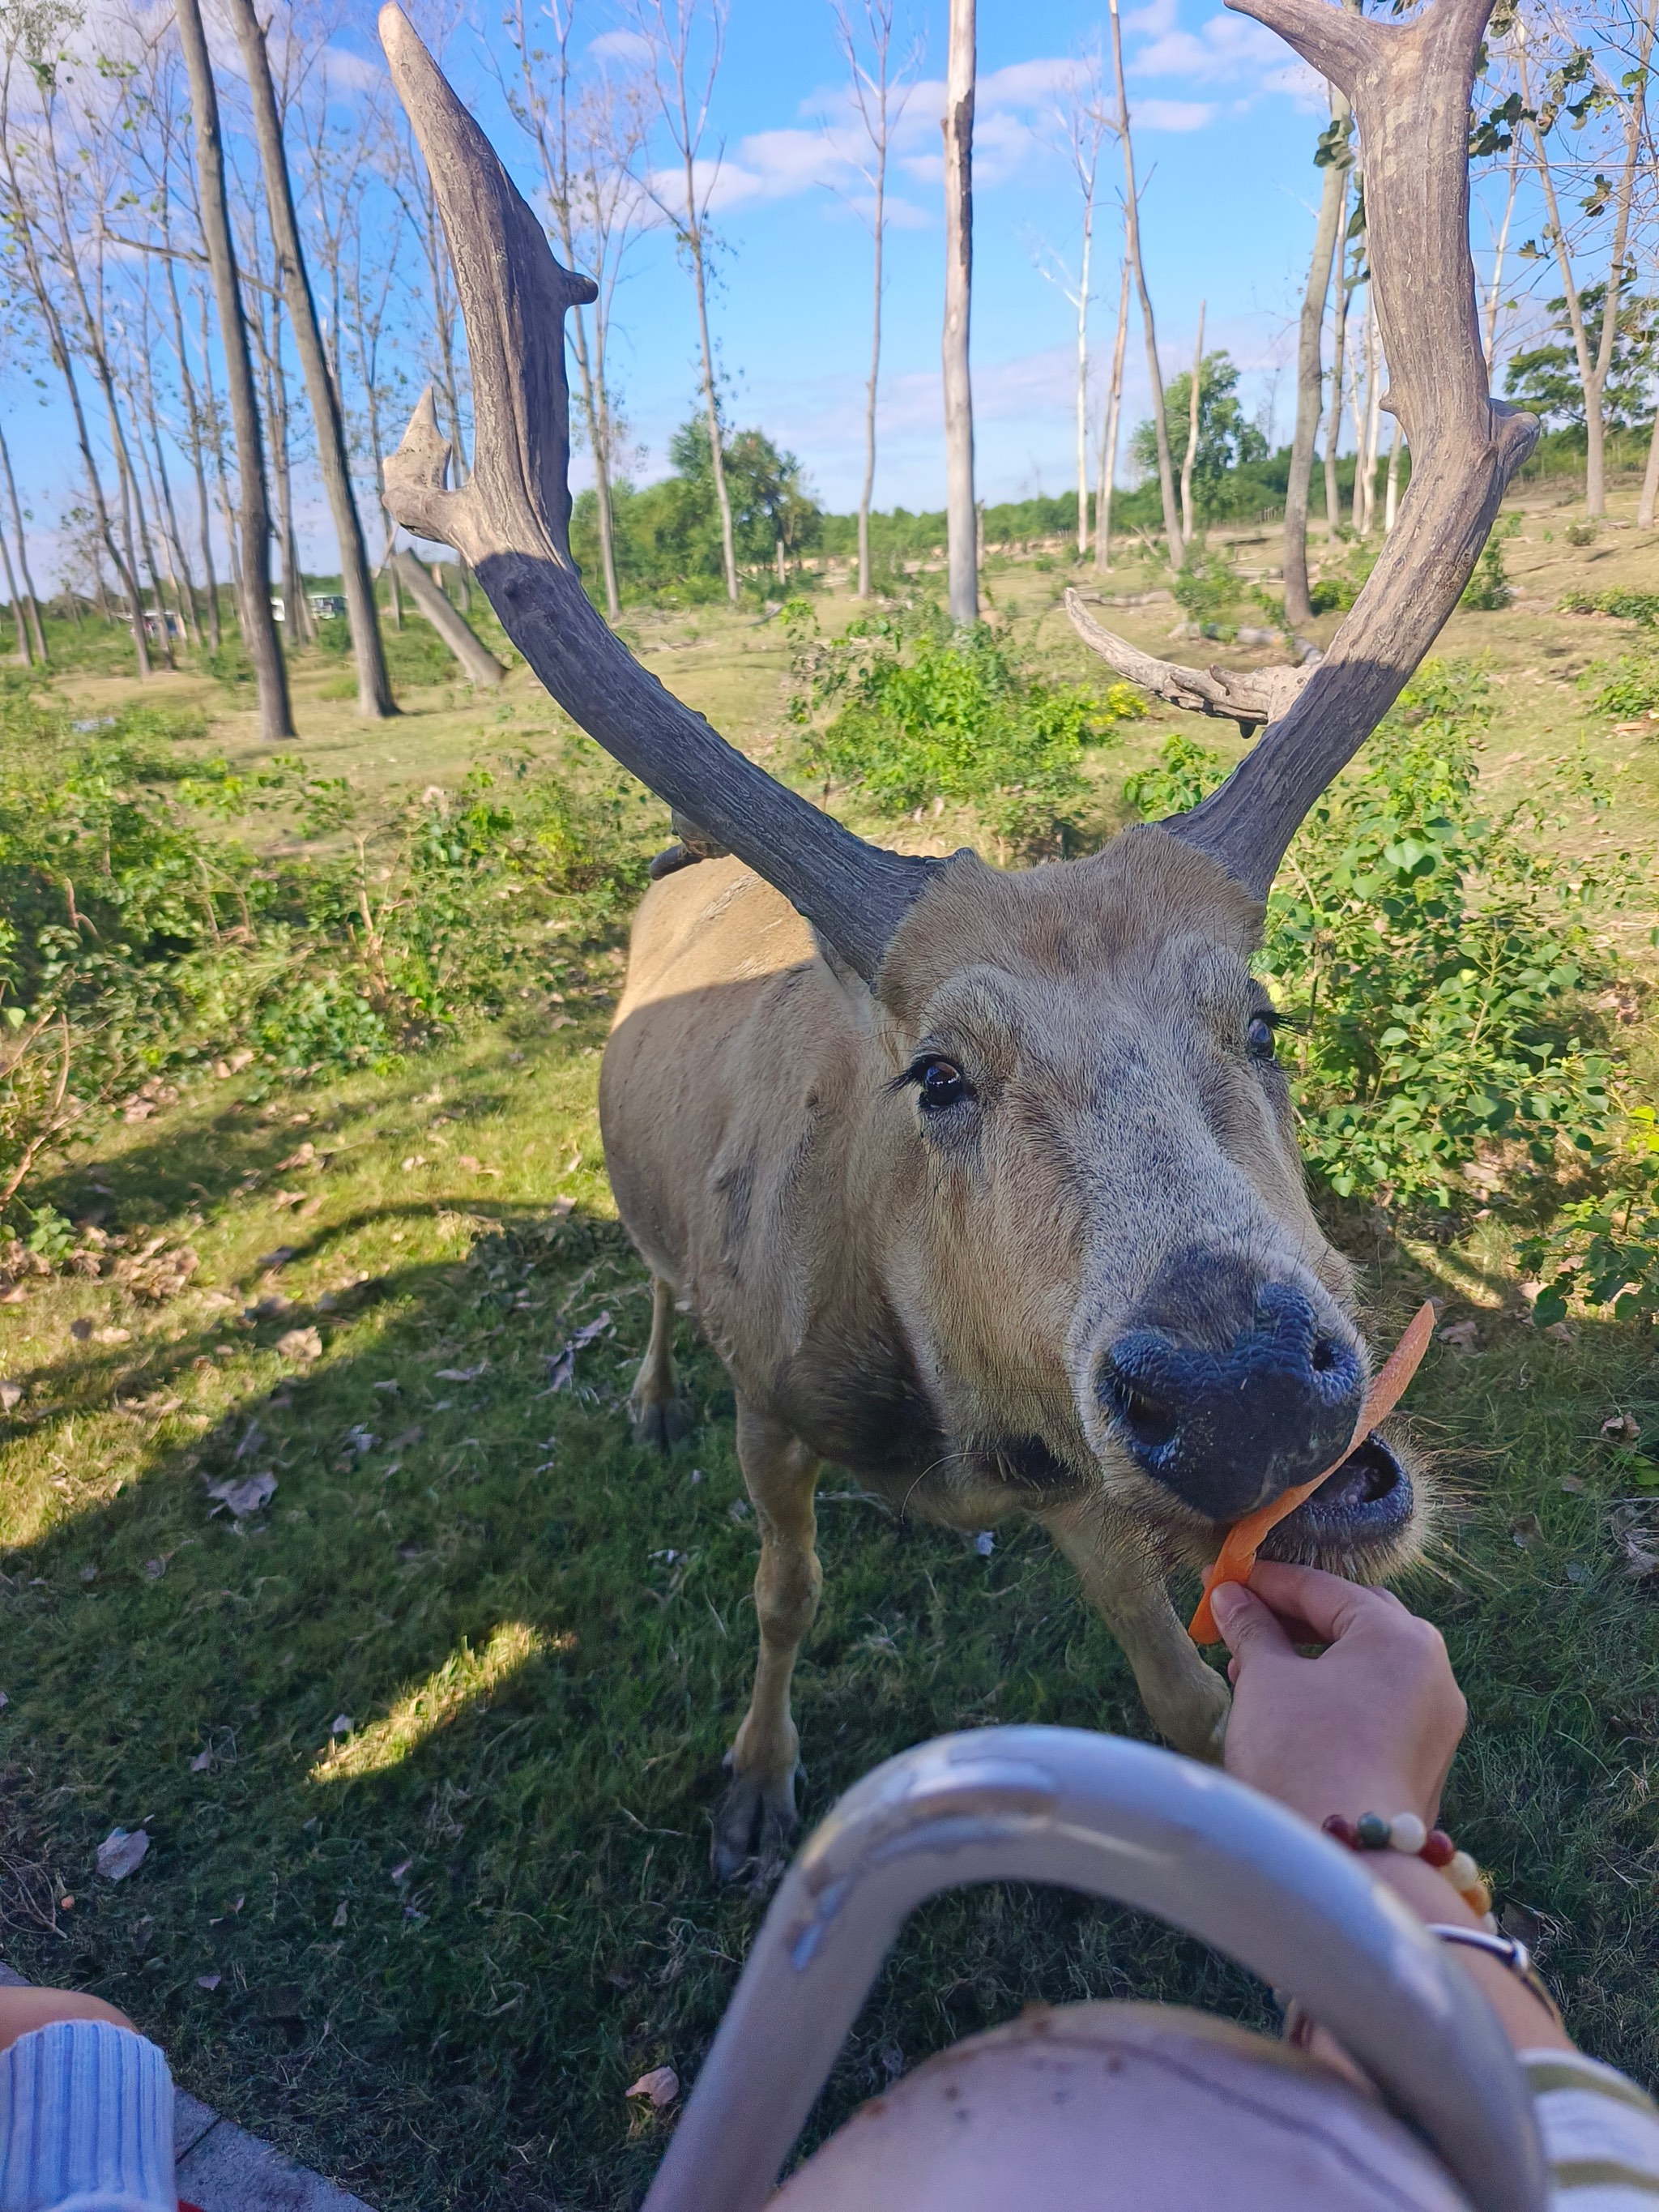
(1225, 121)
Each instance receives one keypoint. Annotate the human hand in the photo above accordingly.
(1370, 1726)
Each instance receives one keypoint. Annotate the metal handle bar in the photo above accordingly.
(1121, 1821)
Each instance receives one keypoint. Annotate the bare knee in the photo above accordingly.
(21, 2011)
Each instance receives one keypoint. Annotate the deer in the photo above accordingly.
(984, 1184)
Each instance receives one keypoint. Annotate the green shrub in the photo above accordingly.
(917, 715)
(1439, 957)
(136, 940)
(1640, 607)
(1604, 1250)
(228, 663)
(1489, 590)
(1627, 688)
(1207, 590)
(1581, 533)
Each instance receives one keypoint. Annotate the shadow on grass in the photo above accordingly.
(426, 1746)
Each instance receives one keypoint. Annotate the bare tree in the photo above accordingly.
(1174, 544)
(258, 626)
(22, 213)
(880, 88)
(687, 43)
(589, 141)
(375, 700)
(1332, 157)
(1595, 361)
(1108, 432)
(28, 601)
(1081, 123)
(961, 517)
(1339, 375)
(1188, 459)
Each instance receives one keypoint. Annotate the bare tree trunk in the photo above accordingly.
(375, 700)
(479, 664)
(1391, 505)
(1310, 376)
(260, 630)
(961, 528)
(32, 600)
(1339, 368)
(867, 491)
(1174, 546)
(1370, 433)
(1495, 289)
(1650, 479)
(1109, 435)
(1083, 361)
(1188, 459)
(25, 650)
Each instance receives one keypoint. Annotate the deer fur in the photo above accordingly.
(929, 1316)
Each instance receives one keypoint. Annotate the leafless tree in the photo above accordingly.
(1188, 459)
(29, 64)
(258, 627)
(1106, 472)
(686, 39)
(1628, 103)
(1081, 123)
(375, 700)
(590, 140)
(1174, 544)
(880, 85)
(960, 513)
(1334, 156)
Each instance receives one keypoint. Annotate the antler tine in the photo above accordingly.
(511, 522)
(1248, 697)
(1410, 88)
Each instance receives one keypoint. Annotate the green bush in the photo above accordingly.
(1640, 607)
(1439, 957)
(917, 713)
(1489, 590)
(1604, 1250)
(1207, 590)
(138, 941)
(1627, 688)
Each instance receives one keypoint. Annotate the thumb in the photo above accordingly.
(1249, 1630)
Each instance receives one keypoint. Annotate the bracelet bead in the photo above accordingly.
(1461, 1872)
(1439, 1850)
(1373, 1830)
(1407, 1833)
(1343, 1830)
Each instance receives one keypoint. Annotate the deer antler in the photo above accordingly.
(1247, 696)
(1410, 88)
(511, 522)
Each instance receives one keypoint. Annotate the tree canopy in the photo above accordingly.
(1227, 439)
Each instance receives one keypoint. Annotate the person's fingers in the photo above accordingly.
(1329, 1605)
(1247, 1627)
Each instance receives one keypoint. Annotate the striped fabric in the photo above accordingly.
(1601, 2134)
(86, 2122)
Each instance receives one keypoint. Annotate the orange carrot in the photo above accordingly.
(1244, 1538)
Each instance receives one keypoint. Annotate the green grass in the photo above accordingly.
(543, 1638)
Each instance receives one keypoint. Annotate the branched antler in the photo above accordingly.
(1249, 697)
(511, 521)
(1410, 85)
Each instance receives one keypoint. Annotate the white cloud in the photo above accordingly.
(1173, 114)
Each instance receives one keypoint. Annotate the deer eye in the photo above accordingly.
(941, 1082)
(1259, 1036)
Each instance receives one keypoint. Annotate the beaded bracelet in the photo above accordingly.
(1414, 1838)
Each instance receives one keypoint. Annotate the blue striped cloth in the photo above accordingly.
(86, 2122)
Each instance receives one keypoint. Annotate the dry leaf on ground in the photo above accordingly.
(660, 2086)
(246, 1496)
(121, 1851)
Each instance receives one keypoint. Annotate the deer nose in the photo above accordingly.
(1227, 1428)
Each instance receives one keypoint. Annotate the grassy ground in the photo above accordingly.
(425, 1744)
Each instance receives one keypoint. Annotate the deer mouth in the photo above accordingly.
(1364, 1507)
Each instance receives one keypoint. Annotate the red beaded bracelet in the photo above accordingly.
(1413, 1838)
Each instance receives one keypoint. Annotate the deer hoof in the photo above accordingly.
(754, 1830)
(660, 1422)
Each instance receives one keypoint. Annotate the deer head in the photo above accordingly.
(1218, 1366)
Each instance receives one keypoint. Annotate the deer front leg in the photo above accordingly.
(660, 1414)
(755, 1821)
(1185, 1699)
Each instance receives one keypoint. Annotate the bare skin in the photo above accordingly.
(1372, 1724)
(23, 2011)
